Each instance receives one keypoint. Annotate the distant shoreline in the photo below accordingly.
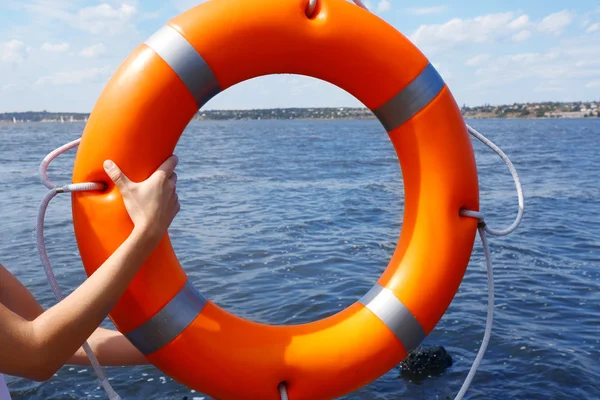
(7, 122)
(515, 111)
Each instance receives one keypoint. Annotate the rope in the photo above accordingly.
(54, 190)
(515, 175)
(283, 391)
(490, 315)
(50, 157)
(483, 229)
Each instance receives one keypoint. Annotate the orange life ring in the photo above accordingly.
(137, 122)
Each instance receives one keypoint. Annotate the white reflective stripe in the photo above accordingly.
(187, 63)
(410, 100)
(169, 322)
(386, 306)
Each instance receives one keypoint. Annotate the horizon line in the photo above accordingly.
(317, 107)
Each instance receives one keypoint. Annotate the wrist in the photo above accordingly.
(146, 236)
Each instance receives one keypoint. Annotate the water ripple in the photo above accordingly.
(291, 221)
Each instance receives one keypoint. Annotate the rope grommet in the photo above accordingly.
(310, 8)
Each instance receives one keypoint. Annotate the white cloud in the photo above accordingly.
(47, 8)
(487, 29)
(593, 28)
(13, 51)
(593, 84)
(553, 70)
(520, 23)
(581, 49)
(99, 19)
(521, 36)
(588, 63)
(384, 5)
(550, 88)
(8, 86)
(477, 60)
(427, 10)
(93, 51)
(483, 29)
(149, 15)
(74, 77)
(588, 23)
(472, 39)
(556, 23)
(55, 48)
(104, 19)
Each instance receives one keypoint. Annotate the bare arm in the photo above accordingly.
(36, 349)
(110, 347)
(17, 298)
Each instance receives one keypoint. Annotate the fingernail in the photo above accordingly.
(176, 158)
(108, 164)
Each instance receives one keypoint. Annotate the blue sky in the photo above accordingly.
(58, 55)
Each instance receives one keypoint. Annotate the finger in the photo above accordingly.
(168, 167)
(116, 175)
(174, 207)
(173, 178)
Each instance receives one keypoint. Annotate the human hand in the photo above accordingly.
(151, 204)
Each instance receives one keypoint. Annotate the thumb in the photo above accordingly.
(116, 175)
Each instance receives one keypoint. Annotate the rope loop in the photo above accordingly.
(54, 190)
(515, 175)
(482, 228)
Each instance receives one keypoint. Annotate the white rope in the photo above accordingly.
(50, 157)
(490, 316)
(283, 391)
(54, 190)
(482, 229)
(515, 175)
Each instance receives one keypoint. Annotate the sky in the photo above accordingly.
(58, 55)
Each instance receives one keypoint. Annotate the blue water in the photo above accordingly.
(291, 221)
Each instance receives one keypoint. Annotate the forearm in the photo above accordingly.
(17, 298)
(61, 330)
(111, 349)
(37, 348)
